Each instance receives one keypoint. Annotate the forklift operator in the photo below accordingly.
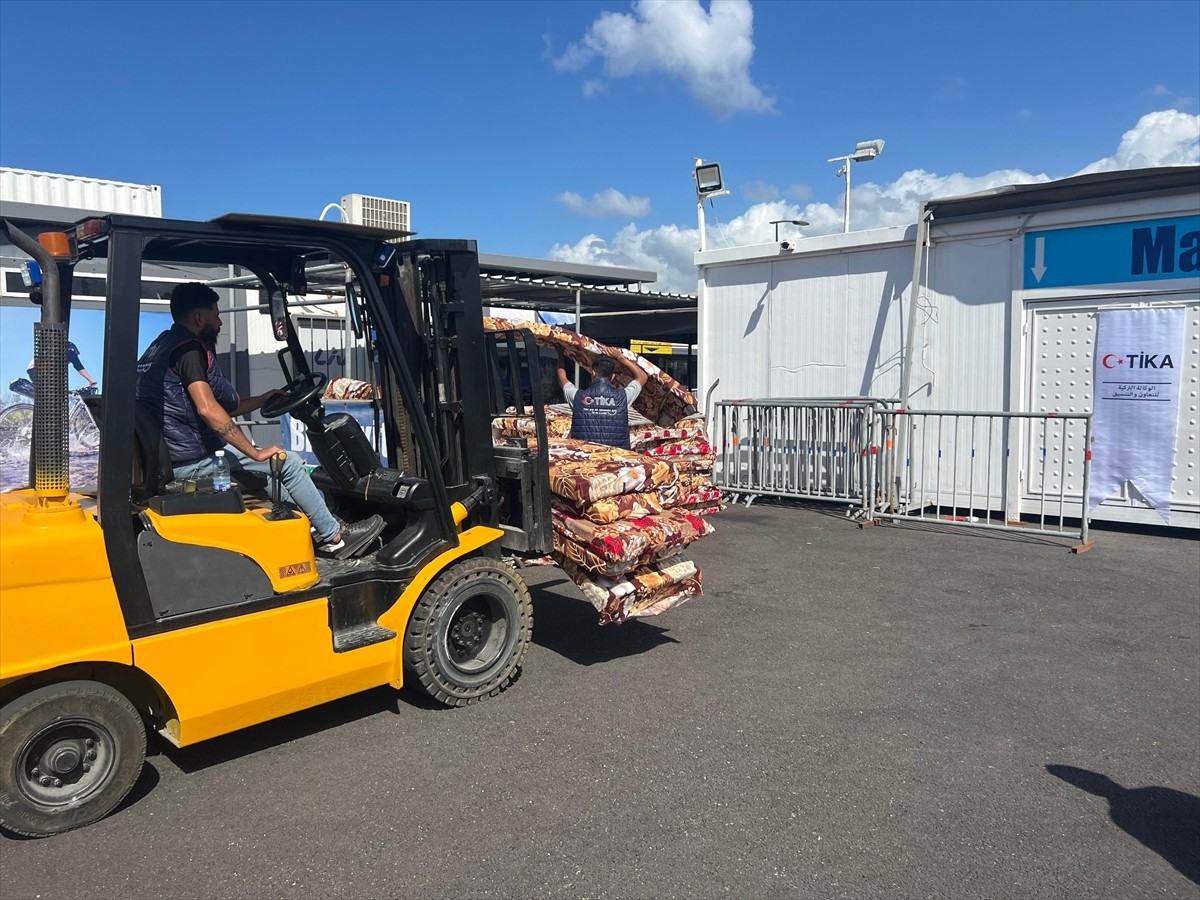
(180, 384)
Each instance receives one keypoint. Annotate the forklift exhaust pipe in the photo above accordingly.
(51, 479)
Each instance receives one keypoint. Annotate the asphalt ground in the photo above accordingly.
(889, 712)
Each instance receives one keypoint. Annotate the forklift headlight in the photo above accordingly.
(31, 273)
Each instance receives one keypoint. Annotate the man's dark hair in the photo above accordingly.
(191, 295)
(604, 366)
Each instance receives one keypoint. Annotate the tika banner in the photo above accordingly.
(1139, 357)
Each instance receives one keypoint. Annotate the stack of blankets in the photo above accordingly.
(623, 517)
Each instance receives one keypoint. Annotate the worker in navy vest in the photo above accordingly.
(600, 412)
(180, 384)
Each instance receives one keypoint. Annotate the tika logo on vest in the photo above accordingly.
(1137, 361)
(599, 401)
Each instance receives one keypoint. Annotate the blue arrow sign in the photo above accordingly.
(1122, 252)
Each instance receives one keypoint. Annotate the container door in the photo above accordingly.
(1060, 337)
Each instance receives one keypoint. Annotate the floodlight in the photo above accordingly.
(864, 151)
(708, 179)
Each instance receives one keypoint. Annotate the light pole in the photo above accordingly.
(864, 151)
(708, 184)
(778, 222)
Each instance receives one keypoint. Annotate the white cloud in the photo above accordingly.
(709, 51)
(594, 86)
(610, 202)
(1159, 90)
(1165, 138)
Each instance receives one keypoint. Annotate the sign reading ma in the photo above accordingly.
(1118, 253)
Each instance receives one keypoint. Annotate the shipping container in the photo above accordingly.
(79, 193)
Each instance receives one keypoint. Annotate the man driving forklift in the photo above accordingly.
(180, 384)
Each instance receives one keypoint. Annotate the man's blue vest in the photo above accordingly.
(600, 414)
(163, 394)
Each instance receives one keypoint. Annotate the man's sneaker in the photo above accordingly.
(355, 538)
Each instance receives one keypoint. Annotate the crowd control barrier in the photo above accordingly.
(810, 449)
(999, 470)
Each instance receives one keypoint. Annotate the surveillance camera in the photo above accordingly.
(787, 245)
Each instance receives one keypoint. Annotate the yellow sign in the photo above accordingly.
(645, 347)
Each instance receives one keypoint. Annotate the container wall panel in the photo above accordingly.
(74, 192)
(962, 342)
(733, 337)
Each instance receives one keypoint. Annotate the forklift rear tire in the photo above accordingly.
(71, 752)
(469, 632)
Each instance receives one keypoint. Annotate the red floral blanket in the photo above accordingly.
(620, 546)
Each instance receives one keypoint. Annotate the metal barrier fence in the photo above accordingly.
(809, 449)
(999, 470)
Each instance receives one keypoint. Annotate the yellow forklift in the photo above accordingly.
(142, 601)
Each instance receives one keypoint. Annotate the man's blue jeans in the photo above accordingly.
(298, 487)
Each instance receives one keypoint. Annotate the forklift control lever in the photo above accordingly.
(278, 510)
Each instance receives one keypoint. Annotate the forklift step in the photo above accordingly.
(363, 636)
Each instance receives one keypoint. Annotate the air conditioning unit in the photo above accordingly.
(378, 212)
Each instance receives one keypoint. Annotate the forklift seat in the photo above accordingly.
(151, 458)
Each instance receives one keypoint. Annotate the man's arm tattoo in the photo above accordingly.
(227, 429)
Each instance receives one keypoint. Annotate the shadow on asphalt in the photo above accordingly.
(1165, 820)
(569, 626)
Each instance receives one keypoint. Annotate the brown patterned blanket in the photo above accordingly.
(582, 472)
(647, 591)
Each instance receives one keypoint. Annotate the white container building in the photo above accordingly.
(1008, 284)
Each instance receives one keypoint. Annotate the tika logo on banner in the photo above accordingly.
(300, 568)
(1136, 404)
(1137, 361)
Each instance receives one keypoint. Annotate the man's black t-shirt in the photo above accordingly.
(189, 362)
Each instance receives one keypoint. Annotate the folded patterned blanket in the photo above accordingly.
(582, 472)
(647, 591)
(687, 430)
(622, 506)
(691, 447)
(617, 547)
(710, 496)
(349, 389)
(512, 426)
(663, 399)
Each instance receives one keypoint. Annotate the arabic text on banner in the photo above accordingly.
(1139, 357)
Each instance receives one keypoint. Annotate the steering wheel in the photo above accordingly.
(297, 392)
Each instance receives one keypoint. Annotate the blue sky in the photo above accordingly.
(567, 129)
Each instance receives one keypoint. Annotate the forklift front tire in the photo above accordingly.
(71, 752)
(468, 634)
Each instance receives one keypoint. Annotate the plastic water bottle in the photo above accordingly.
(221, 479)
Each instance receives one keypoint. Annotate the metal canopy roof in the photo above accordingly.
(555, 296)
(552, 286)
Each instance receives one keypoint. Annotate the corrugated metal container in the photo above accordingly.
(77, 192)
